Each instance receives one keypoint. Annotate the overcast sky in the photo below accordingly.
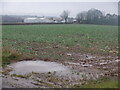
(59, 0)
(55, 8)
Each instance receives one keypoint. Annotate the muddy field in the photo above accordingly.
(62, 55)
(59, 74)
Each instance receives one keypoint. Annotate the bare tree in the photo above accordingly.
(65, 15)
(81, 17)
(94, 15)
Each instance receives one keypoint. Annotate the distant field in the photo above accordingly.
(53, 41)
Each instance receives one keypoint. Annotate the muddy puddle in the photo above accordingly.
(40, 73)
(26, 67)
(58, 69)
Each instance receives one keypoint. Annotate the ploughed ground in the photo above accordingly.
(59, 73)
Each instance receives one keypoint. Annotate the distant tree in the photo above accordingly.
(111, 19)
(81, 17)
(65, 15)
(93, 16)
(12, 19)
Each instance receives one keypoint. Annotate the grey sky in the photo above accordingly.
(59, 0)
(56, 8)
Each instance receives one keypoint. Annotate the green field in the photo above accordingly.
(51, 42)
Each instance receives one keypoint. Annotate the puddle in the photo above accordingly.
(90, 57)
(117, 60)
(84, 65)
(26, 67)
(72, 63)
(87, 65)
(103, 63)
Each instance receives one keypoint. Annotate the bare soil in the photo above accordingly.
(87, 67)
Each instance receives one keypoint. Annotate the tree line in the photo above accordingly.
(92, 16)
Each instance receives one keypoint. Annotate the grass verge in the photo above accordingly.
(101, 83)
(10, 55)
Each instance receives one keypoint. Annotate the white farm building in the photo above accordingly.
(38, 20)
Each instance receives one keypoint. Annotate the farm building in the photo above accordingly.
(58, 20)
(38, 20)
(71, 20)
(48, 20)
